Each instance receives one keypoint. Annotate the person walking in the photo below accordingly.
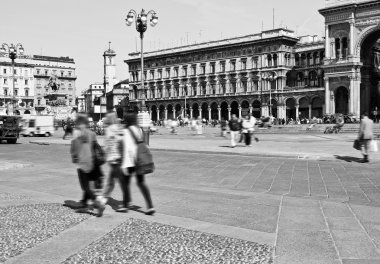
(365, 136)
(68, 128)
(247, 129)
(234, 129)
(223, 126)
(82, 153)
(133, 133)
(113, 147)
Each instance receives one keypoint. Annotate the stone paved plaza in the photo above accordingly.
(305, 205)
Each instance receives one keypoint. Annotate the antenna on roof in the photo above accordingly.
(109, 44)
(262, 25)
(187, 38)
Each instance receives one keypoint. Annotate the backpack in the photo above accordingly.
(144, 158)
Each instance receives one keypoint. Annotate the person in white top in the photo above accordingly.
(129, 166)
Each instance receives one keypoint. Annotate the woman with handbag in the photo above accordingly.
(83, 155)
(133, 135)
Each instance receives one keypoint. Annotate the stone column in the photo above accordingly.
(332, 47)
(191, 112)
(297, 111)
(209, 113)
(166, 113)
(219, 113)
(327, 96)
(150, 114)
(250, 110)
(352, 98)
(341, 48)
(158, 114)
(352, 40)
(327, 39)
(200, 112)
(229, 113)
(310, 110)
(240, 111)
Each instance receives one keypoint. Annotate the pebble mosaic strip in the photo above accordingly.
(23, 227)
(138, 241)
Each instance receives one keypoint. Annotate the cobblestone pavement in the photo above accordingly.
(317, 211)
(138, 241)
(25, 226)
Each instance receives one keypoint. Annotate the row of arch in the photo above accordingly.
(292, 108)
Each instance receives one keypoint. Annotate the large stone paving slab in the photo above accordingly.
(138, 241)
(23, 227)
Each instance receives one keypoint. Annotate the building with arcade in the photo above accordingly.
(272, 72)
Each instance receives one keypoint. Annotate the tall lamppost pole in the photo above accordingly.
(141, 21)
(13, 52)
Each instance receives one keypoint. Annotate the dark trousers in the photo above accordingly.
(248, 138)
(125, 182)
(242, 135)
(84, 180)
(67, 132)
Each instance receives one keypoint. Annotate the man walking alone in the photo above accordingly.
(365, 135)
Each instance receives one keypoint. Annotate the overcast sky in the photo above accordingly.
(81, 29)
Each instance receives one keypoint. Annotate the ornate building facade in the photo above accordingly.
(270, 73)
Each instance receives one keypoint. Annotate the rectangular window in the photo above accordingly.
(160, 74)
(61, 73)
(69, 73)
(233, 65)
(26, 92)
(5, 81)
(38, 71)
(4, 71)
(26, 82)
(212, 68)
(243, 64)
(203, 69)
(222, 67)
(193, 70)
(5, 92)
(15, 71)
(16, 92)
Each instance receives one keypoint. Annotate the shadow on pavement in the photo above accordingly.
(348, 158)
(115, 204)
(78, 207)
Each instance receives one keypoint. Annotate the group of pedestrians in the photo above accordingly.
(244, 127)
(119, 153)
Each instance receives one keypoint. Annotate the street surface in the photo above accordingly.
(312, 203)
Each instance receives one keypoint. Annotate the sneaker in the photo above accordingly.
(150, 211)
(256, 139)
(122, 209)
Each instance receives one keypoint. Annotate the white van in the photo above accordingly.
(38, 126)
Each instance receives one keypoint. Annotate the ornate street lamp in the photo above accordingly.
(141, 21)
(13, 51)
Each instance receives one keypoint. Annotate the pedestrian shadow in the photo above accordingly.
(115, 205)
(348, 159)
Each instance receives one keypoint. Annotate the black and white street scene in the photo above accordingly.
(190, 132)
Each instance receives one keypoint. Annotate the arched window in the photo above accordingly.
(269, 60)
(344, 48)
(337, 48)
(313, 79)
(275, 60)
(303, 60)
(297, 58)
(5, 92)
(300, 79)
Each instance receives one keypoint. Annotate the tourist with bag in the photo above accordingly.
(83, 155)
(234, 129)
(137, 160)
(365, 136)
(113, 144)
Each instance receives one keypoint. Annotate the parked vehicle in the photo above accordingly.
(38, 126)
(9, 128)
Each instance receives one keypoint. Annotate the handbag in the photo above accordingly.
(99, 155)
(357, 144)
(144, 158)
(373, 146)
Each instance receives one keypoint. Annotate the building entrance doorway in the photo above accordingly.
(341, 100)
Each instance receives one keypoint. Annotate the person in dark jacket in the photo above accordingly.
(234, 125)
(82, 153)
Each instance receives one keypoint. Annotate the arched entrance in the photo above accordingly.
(195, 110)
(224, 110)
(341, 100)
(178, 110)
(303, 108)
(274, 108)
(291, 108)
(170, 111)
(244, 108)
(370, 72)
(316, 107)
(154, 112)
(256, 111)
(162, 112)
(235, 108)
(204, 111)
(214, 111)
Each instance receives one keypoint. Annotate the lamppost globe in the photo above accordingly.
(3, 49)
(11, 49)
(143, 18)
(154, 20)
(21, 50)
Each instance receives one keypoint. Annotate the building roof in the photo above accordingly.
(53, 59)
(126, 81)
(267, 34)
